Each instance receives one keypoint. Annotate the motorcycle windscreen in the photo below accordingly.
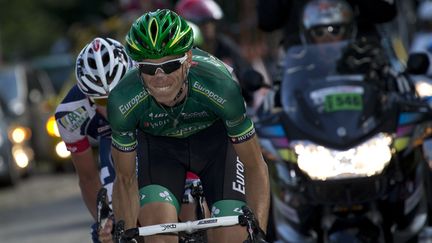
(328, 107)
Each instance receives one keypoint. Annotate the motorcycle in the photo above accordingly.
(345, 156)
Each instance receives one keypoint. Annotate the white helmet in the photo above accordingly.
(100, 66)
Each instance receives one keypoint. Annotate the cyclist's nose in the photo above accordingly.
(159, 71)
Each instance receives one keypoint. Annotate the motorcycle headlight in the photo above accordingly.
(51, 127)
(366, 159)
(424, 88)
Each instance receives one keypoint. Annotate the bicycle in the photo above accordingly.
(190, 228)
(247, 219)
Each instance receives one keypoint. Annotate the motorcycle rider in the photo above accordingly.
(286, 15)
(82, 117)
(324, 21)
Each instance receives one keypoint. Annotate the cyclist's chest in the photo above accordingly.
(180, 121)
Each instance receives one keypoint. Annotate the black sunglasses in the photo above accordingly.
(334, 30)
(167, 67)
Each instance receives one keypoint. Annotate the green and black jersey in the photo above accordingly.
(213, 94)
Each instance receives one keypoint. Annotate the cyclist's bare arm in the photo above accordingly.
(125, 190)
(257, 182)
(88, 175)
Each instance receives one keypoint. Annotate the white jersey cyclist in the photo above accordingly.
(81, 117)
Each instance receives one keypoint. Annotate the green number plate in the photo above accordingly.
(346, 101)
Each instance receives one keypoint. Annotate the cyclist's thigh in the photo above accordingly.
(161, 172)
(221, 173)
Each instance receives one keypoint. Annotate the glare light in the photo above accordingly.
(366, 159)
(61, 150)
(21, 157)
(51, 127)
(19, 134)
(424, 89)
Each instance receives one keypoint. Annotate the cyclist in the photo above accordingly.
(82, 117)
(180, 110)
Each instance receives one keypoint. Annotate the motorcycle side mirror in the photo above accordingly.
(418, 63)
(252, 80)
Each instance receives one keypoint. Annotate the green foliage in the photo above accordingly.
(29, 28)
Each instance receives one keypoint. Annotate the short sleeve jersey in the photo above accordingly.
(213, 94)
(78, 121)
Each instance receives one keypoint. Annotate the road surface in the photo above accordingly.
(44, 208)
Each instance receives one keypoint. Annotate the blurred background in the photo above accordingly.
(39, 40)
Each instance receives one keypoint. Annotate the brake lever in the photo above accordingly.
(103, 211)
(255, 233)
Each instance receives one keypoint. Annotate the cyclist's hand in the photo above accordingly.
(105, 234)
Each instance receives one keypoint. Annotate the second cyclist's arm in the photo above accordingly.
(88, 176)
(125, 190)
(257, 179)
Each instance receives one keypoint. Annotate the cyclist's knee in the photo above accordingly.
(158, 205)
(157, 213)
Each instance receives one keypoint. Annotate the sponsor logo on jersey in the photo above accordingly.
(73, 120)
(103, 129)
(243, 137)
(187, 130)
(156, 123)
(125, 108)
(235, 122)
(123, 147)
(192, 115)
(72, 148)
(157, 115)
(209, 93)
(239, 183)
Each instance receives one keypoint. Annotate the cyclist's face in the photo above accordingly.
(325, 34)
(165, 86)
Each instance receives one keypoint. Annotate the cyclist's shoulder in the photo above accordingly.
(205, 63)
(74, 100)
(210, 72)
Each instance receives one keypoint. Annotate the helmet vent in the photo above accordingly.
(92, 63)
(153, 29)
(165, 25)
(105, 59)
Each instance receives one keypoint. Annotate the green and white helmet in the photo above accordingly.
(158, 34)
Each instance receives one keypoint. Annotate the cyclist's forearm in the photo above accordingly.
(125, 189)
(256, 175)
(125, 200)
(89, 190)
(258, 192)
